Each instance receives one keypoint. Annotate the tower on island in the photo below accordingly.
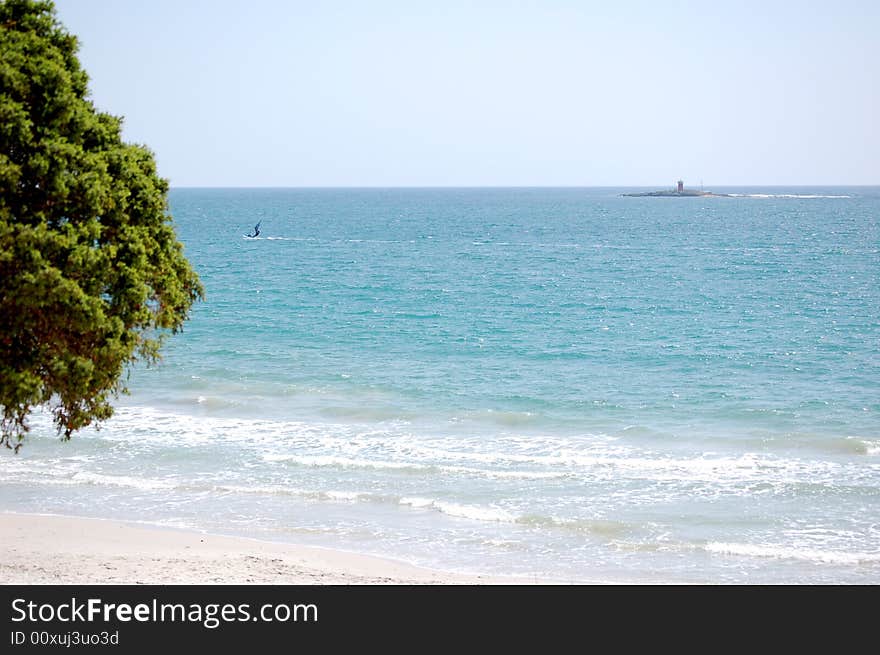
(678, 191)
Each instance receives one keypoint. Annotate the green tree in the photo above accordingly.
(92, 276)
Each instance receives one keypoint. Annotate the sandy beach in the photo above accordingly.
(40, 549)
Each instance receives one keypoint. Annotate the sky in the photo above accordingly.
(447, 93)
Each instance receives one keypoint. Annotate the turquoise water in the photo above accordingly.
(561, 383)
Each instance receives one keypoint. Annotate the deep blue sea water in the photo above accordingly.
(560, 383)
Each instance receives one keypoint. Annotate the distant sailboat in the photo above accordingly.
(256, 231)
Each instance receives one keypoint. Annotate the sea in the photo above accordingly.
(558, 384)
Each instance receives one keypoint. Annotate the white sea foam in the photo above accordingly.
(785, 195)
(346, 462)
(502, 475)
(336, 496)
(394, 448)
(473, 512)
(531, 488)
(607, 461)
(346, 496)
(791, 552)
(146, 484)
(871, 446)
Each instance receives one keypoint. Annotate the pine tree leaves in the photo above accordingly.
(91, 273)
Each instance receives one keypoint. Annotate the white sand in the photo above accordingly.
(38, 549)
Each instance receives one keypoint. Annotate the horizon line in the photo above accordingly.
(505, 186)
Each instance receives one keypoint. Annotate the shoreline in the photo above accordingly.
(53, 549)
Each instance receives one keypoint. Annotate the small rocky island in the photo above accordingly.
(678, 192)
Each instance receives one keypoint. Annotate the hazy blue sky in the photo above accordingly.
(278, 93)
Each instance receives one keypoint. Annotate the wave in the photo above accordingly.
(503, 418)
(489, 513)
(394, 447)
(62, 476)
(330, 461)
(334, 461)
(70, 474)
(307, 494)
(524, 522)
(849, 445)
(606, 528)
(146, 484)
(791, 552)
(475, 512)
(785, 195)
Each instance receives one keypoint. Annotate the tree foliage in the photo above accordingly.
(92, 276)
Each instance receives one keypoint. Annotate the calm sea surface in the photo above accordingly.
(561, 383)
